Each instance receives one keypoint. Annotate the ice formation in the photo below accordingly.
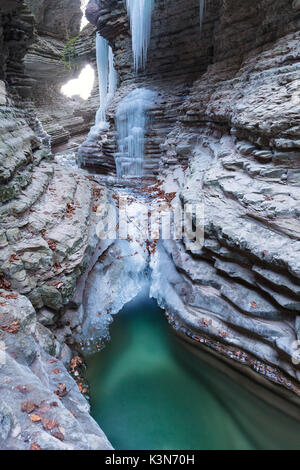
(82, 86)
(102, 67)
(119, 278)
(107, 86)
(131, 120)
(112, 75)
(107, 75)
(140, 15)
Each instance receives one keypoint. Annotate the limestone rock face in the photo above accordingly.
(41, 406)
(47, 238)
(177, 55)
(238, 133)
(227, 118)
(37, 78)
(57, 56)
(17, 28)
(57, 18)
(2, 93)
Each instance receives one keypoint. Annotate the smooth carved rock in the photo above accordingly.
(36, 384)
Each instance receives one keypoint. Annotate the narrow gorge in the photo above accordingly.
(149, 224)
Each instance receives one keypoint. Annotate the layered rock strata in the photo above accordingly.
(171, 68)
(47, 238)
(234, 138)
(238, 132)
(59, 54)
(41, 407)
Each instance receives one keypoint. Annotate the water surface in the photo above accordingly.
(148, 391)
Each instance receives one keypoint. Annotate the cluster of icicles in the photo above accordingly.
(140, 15)
(131, 115)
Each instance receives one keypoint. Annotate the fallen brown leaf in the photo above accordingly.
(28, 406)
(34, 446)
(12, 329)
(48, 424)
(35, 418)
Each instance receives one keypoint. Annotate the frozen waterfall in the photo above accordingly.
(112, 75)
(102, 67)
(140, 14)
(107, 75)
(131, 120)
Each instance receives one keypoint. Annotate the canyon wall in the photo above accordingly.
(238, 132)
(225, 129)
(224, 132)
(50, 63)
(46, 242)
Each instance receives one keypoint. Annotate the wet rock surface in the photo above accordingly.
(41, 405)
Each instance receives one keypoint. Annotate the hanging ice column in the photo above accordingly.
(140, 15)
(112, 76)
(107, 86)
(107, 75)
(131, 120)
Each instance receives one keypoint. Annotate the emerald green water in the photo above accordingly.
(148, 391)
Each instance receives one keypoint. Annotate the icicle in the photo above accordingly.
(107, 87)
(131, 120)
(202, 10)
(112, 77)
(140, 14)
(102, 66)
(107, 76)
